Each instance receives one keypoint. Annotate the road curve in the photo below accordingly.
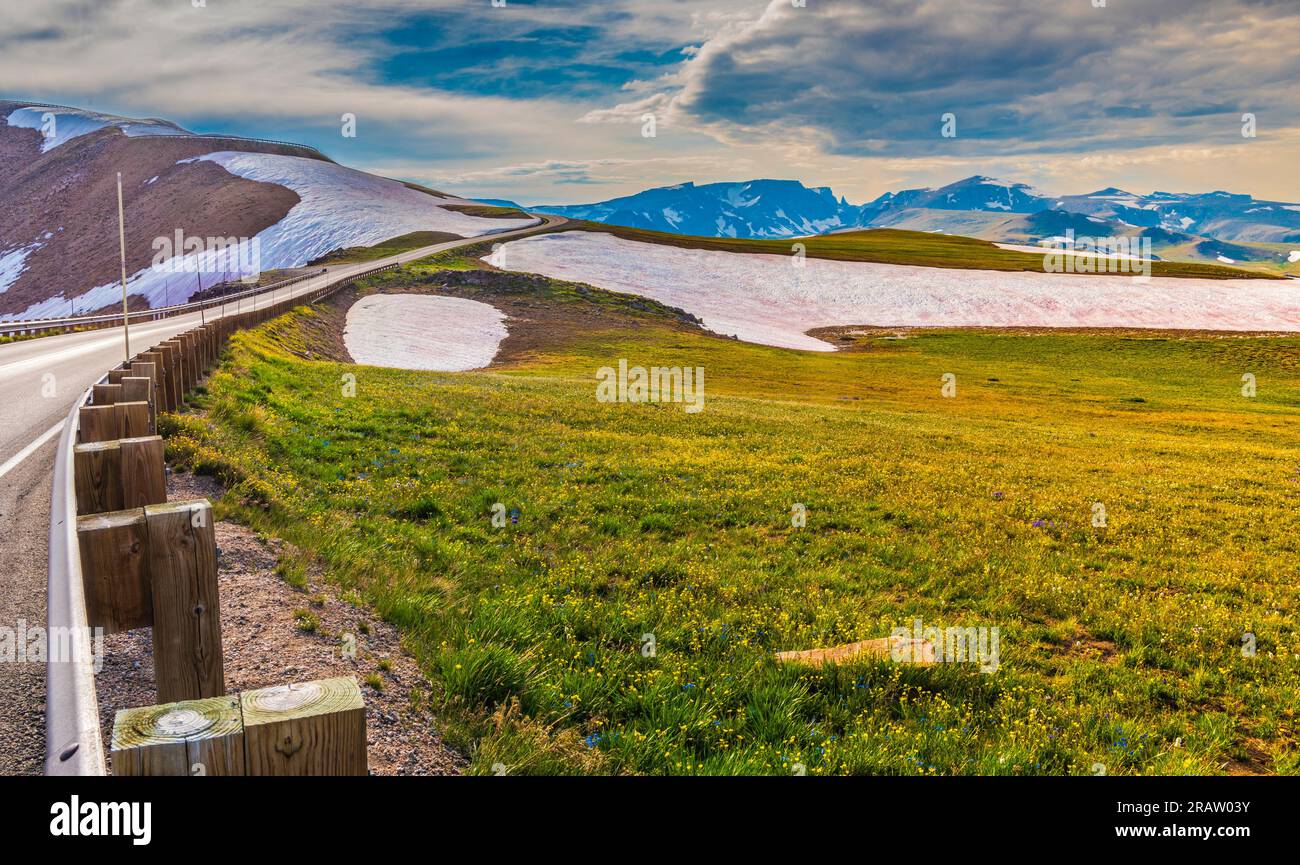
(40, 379)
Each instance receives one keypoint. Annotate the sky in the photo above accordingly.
(544, 101)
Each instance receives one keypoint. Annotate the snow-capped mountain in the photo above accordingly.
(758, 208)
(977, 206)
(974, 193)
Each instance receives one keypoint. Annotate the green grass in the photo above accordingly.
(383, 249)
(898, 246)
(488, 211)
(1120, 646)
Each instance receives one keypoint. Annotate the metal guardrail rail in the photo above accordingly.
(73, 742)
(24, 326)
(73, 736)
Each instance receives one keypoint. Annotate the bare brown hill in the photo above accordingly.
(66, 200)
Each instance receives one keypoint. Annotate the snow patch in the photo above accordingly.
(13, 263)
(1294, 256)
(70, 123)
(342, 207)
(416, 331)
(765, 299)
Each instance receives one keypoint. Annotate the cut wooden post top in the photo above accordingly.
(185, 721)
(178, 507)
(85, 447)
(109, 519)
(89, 447)
(301, 700)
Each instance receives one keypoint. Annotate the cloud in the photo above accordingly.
(875, 79)
(539, 99)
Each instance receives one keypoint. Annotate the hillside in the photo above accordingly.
(58, 208)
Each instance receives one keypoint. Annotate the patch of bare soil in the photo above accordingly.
(71, 194)
(274, 633)
(534, 322)
(860, 337)
(1256, 761)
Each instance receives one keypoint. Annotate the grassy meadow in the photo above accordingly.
(1121, 646)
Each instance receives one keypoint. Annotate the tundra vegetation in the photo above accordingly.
(624, 619)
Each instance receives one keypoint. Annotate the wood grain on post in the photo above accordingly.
(183, 364)
(187, 612)
(154, 357)
(106, 394)
(194, 363)
(192, 737)
(144, 475)
(97, 477)
(99, 423)
(146, 368)
(134, 419)
(171, 361)
(140, 389)
(115, 375)
(118, 474)
(115, 570)
(311, 728)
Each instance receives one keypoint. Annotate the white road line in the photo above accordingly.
(23, 454)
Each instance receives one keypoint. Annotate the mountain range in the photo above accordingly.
(1199, 226)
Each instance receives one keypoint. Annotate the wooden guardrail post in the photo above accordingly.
(311, 728)
(105, 394)
(119, 474)
(115, 570)
(134, 419)
(99, 423)
(161, 390)
(187, 617)
(192, 737)
(140, 389)
(171, 374)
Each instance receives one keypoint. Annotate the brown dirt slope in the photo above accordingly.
(71, 192)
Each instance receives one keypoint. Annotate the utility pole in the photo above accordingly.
(121, 240)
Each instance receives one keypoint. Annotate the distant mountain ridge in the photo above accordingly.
(756, 208)
(977, 206)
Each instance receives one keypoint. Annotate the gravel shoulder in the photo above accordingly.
(274, 633)
(24, 537)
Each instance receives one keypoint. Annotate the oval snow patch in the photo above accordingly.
(417, 331)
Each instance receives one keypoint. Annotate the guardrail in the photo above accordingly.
(33, 326)
(73, 736)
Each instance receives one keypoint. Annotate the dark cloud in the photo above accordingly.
(1021, 75)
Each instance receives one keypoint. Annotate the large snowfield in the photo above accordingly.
(344, 207)
(767, 299)
(417, 331)
(340, 207)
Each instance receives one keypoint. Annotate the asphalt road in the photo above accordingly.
(40, 379)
